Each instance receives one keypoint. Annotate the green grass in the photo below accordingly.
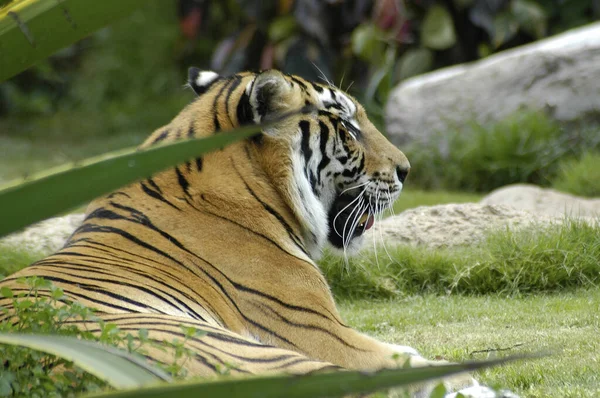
(411, 198)
(579, 176)
(13, 259)
(524, 147)
(566, 325)
(537, 259)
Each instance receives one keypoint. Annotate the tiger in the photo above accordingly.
(227, 243)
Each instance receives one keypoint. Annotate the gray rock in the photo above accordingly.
(451, 225)
(45, 237)
(543, 201)
(560, 75)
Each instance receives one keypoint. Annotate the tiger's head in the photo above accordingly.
(330, 164)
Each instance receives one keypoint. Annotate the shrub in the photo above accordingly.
(523, 148)
(27, 373)
(579, 176)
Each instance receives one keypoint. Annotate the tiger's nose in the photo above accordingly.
(402, 172)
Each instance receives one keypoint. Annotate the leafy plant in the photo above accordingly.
(523, 148)
(579, 176)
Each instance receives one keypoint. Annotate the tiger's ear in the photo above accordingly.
(270, 95)
(200, 81)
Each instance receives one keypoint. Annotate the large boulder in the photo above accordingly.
(451, 225)
(45, 237)
(543, 201)
(560, 75)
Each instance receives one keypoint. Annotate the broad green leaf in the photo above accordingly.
(438, 29)
(116, 367)
(62, 188)
(505, 27)
(414, 62)
(531, 17)
(335, 384)
(31, 30)
(367, 43)
(282, 28)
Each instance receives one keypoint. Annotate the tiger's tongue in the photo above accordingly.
(368, 220)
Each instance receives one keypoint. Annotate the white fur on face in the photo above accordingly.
(311, 210)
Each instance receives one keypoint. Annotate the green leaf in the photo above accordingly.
(334, 384)
(282, 28)
(530, 16)
(438, 29)
(367, 43)
(505, 28)
(6, 292)
(31, 30)
(60, 189)
(413, 62)
(439, 391)
(116, 367)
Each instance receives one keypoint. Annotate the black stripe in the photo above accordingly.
(160, 137)
(157, 195)
(114, 194)
(323, 139)
(305, 143)
(191, 133)
(183, 183)
(154, 185)
(217, 124)
(160, 269)
(177, 304)
(199, 163)
(298, 82)
(139, 242)
(244, 110)
(93, 288)
(297, 241)
(310, 327)
(317, 88)
(236, 82)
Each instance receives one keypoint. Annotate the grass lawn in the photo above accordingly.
(566, 325)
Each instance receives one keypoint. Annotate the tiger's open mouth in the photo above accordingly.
(349, 218)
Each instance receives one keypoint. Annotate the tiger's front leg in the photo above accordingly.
(317, 331)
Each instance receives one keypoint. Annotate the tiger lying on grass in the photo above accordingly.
(227, 243)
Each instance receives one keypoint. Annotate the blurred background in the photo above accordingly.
(113, 88)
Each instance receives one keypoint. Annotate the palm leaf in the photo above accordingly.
(32, 30)
(23, 202)
(336, 384)
(116, 367)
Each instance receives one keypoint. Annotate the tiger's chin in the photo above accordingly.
(348, 219)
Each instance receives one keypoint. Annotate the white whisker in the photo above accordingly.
(342, 210)
(383, 243)
(360, 207)
(352, 216)
(354, 187)
(323, 77)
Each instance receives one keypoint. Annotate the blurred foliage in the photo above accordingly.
(369, 44)
(122, 78)
(525, 147)
(579, 176)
